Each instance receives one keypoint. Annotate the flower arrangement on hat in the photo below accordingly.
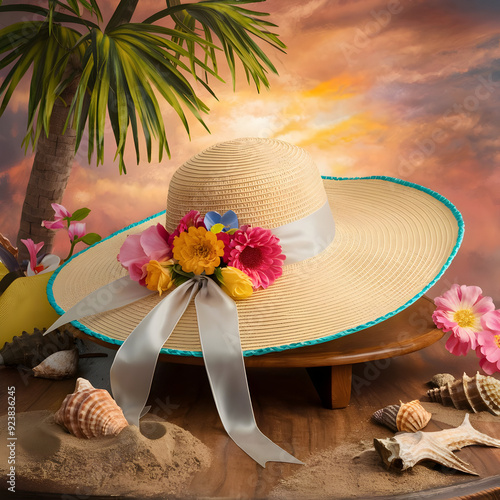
(239, 259)
(473, 322)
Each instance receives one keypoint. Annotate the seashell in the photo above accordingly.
(31, 349)
(477, 393)
(412, 417)
(405, 417)
(441, 379)
(387, 416)
(407, 449)
(89, 412)
(61, 364)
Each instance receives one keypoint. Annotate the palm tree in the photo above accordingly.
(81, 73)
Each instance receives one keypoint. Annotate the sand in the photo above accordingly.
(164, 461)
(161, 460)
(355, 469)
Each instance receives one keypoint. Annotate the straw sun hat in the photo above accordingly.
(393, 240)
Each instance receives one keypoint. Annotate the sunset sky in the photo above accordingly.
(405, 88)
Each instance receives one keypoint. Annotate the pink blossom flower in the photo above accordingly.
(191, 219)
(59, 215)
(226, 239)
(256, 252)
(488, 349)
(76, 230)
(33, 249)
(138, 249)
(459, 310)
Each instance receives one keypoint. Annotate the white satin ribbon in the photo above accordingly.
(307, 237)
(134, 365)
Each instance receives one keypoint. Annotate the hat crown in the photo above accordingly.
(268, 183)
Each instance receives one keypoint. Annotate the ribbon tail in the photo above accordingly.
(133, 369)
(116, 294)
(220, 341)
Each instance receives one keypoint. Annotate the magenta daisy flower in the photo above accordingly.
(459, 310)
(257, 252)
(488, 349)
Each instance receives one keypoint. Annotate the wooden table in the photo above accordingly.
(288, 411)
(329, 364)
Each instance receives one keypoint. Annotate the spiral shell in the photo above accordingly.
(90, 412)
(405, 417)
(477, 393)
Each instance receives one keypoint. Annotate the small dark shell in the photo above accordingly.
(31, 349)
(387, 416)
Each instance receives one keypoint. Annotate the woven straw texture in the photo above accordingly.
(391, 241)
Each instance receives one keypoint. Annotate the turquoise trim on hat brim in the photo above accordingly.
(260, 352)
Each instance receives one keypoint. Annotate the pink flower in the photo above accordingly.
(191, 219)
(138, 249)
(256, 252)
(226, 239)
(58, 222)
(488, 349)
(76, 230)
(33, 249)
(459, 310)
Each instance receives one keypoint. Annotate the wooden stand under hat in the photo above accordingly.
(329, 364)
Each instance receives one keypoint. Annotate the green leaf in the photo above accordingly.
(218, 275)
(80, 214)
(91, 238)
(177, 269)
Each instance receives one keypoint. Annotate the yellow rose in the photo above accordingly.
(236, 283)
(159, 277)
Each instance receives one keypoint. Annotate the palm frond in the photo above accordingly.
(47, 53)
(123, 71)
(235, 28)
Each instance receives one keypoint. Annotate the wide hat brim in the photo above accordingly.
(393, 241)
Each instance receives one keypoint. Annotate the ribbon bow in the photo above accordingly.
(134, 365)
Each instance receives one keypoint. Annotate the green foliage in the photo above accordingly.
(90, 238)
(122, 69)
(79, 214)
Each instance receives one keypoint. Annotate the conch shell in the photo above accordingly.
(405, 417)
(477, 393)
(31, 349)
(61, 364)
(405, 450)
(90, 412)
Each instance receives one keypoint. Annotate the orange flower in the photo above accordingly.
(159, 277)
(198, 250)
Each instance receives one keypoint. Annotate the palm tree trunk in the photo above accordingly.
(49, 175)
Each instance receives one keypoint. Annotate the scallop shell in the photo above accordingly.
(405, 417)
(405, 450)
(412, 417)
(61, 364)
(89, 412)
(31, 349)
(477, 393)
